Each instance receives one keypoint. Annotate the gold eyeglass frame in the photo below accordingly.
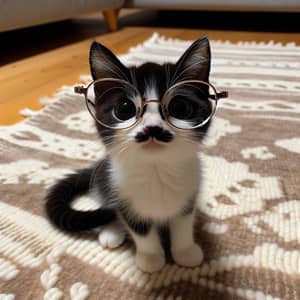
(215, 96)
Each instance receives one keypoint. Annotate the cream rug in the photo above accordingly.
(249, 215)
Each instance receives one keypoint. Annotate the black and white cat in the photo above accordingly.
(150, 177)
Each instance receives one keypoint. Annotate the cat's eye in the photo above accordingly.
(117, 104)
(124, 110)
(190, 104)
(181, 108)
(113, 103)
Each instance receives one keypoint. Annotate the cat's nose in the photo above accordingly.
(153, 131)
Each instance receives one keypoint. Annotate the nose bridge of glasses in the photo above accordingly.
(151, 105)
(151, 113)
(151, 101)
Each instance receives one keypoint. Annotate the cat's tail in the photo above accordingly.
(58, 204)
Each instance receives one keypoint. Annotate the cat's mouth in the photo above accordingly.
(153, 143)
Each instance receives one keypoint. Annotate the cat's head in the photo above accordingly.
(152, 135)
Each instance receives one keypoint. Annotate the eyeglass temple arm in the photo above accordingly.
(220, 95)
(80, 89)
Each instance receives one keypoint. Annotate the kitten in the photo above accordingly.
(153, 183)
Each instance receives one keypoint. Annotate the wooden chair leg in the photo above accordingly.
(111, 18)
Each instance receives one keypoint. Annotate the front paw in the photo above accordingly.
(189, 257)
(111, 236)
(149, 262)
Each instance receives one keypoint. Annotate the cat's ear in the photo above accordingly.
(194, 64)
(104, 64)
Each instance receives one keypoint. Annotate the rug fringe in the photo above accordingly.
(252, 44)
(27, 112)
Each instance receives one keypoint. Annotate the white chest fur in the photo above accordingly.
(157, 189)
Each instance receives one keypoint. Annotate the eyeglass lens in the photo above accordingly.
(115, 104)
(189, 104)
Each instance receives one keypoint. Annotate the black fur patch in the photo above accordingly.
(189, 207)
(141, 137)
(165, 239)
(156, 132)
(151, 75)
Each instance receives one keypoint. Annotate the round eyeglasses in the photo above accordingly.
(117, 104)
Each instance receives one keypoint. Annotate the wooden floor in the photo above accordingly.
(23, 82)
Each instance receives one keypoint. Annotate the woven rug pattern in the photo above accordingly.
(248, 219)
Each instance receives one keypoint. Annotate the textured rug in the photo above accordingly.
(249, 214)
